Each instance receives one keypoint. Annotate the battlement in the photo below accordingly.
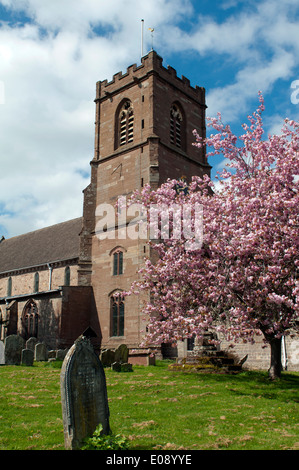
(151, 63)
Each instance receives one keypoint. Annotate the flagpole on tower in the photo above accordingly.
(142, 27)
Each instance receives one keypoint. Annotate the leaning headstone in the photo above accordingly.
(107, 357)
(122, 353)
(83, 394)
(40, 352)
(14, 345)
(27, 357)
(31, 342)
(2, 356)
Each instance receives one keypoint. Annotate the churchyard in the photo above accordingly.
(157, 408)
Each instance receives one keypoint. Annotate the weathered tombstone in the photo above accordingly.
(126, 367)
(60, 354)
(83, 394)
(27, 357)
(31, 342)
(116, 366)
(52, 354)
(40, 352)
(14, 345)
(2, 356)
(121, 353)
(107, 357)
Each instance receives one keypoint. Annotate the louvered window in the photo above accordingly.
(126, 124)
(176, 126)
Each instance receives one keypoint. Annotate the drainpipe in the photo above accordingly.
(50, 275)
(284, 353)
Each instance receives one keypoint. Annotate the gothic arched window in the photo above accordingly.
(117, 263)
(117, 312)
(126, 124)
(30, 320)
(176, 126)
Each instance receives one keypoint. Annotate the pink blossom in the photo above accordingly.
(244, 279)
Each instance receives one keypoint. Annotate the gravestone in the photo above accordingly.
(31, 342)
(14, 345)
(107, 357)
(126, 367)
(116, 366)
(52, 354)
(27, 357)
(2, 356)
(83, 394)
(121, 353)
(60, 354)
(40, 352)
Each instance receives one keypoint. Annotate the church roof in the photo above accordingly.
(47, 245)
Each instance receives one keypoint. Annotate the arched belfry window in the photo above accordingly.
(126, 123)
(30, 320)
(176, 126)
(117, 315)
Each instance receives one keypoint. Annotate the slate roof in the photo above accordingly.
(56, 243)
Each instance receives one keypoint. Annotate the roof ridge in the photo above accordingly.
(43, 228)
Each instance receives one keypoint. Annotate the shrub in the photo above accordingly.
(100, 441)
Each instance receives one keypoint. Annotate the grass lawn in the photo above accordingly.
(156, 408)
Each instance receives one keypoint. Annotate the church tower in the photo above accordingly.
(143, 134)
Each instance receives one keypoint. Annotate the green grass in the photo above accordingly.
(156, 408)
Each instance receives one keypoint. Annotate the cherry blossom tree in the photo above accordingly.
(243, 278)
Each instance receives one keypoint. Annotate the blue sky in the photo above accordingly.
(52, 53)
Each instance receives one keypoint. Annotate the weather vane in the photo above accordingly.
(152, 34)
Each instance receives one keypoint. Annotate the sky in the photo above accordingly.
(52, 53)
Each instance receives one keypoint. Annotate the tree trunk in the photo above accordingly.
(275, 364)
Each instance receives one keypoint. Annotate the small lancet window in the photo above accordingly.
(126, 123)
(117, 263)
(176, 124)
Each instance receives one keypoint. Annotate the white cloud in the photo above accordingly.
(261, 43)
(49, 69)
(260, 76)
(50, 65)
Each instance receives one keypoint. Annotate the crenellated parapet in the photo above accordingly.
(152, 63)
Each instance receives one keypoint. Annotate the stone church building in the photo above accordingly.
(59, 282)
